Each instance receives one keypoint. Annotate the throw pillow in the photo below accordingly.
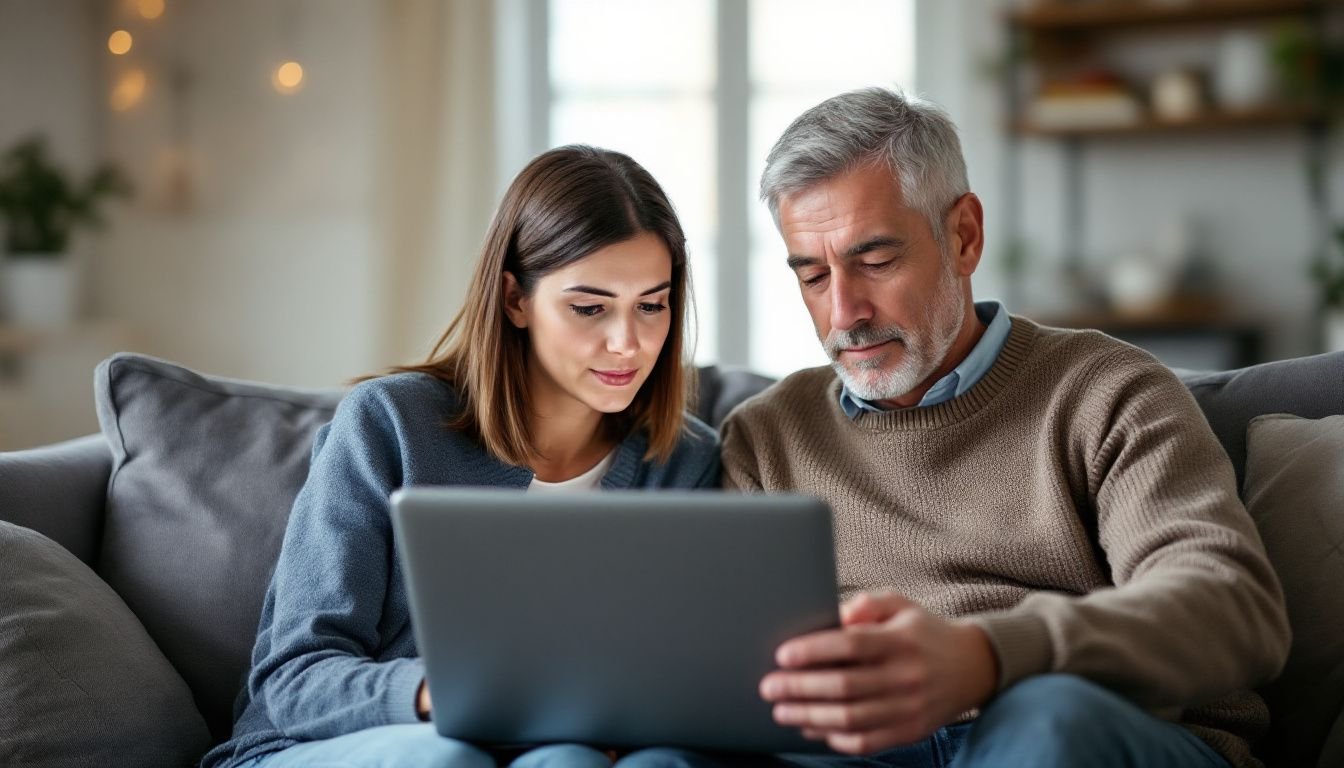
(204, 472)
(81, 683)
(1295, 492)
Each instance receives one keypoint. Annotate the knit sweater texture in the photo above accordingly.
(335, 652)
(1074, 504)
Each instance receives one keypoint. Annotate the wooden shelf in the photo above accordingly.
(1268, 117)
(1074, 17)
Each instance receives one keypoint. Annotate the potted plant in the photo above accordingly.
(1328, 272)
(40, 207)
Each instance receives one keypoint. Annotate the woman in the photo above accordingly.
(563, 371)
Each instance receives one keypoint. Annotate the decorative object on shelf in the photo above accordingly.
(1097, 99)
(1139, 283)
(1178, 95)
(1243, 76)
(40, 207)
(1328, 273)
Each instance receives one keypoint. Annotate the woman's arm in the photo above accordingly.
(314, 664)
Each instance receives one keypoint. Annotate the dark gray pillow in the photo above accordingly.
(204, 472)
(1295, 492)
(1310, 387)
(81, 683)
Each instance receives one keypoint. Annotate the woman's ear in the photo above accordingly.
(515, 303)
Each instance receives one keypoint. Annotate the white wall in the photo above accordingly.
(271, 273)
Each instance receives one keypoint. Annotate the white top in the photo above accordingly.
(588, 481)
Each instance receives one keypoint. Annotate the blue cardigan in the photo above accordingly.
(335, 652)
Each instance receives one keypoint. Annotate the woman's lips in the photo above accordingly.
(615, 378)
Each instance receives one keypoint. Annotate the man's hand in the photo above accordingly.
(891, 675)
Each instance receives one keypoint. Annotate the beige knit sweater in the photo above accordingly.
(1074, 503)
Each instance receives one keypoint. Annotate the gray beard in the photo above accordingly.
(925, 348)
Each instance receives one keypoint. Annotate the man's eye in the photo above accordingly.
(878, 264)
(587, 310)
(813, 280)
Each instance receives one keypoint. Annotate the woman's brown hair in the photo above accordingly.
(566, 204)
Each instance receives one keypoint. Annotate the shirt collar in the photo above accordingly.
(964, 376)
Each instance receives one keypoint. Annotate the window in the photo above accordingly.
(697, 91)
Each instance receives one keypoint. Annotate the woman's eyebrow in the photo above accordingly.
(608, 294)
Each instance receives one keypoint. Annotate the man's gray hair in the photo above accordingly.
(915, 138)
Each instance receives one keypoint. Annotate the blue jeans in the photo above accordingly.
(419, 746)
(1044, 722)
(1049, 721)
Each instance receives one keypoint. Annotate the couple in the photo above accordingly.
(1039, 539)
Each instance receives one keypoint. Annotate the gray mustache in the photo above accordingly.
(864, 336)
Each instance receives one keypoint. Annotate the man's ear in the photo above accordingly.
(966, 228)
(515, 303)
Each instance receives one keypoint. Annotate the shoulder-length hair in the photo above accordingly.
(566, 204)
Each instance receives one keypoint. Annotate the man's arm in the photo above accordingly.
(740, 469)
(1197, 611)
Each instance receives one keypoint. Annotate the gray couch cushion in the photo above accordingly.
(81, 684)
(204, 471)
(719, 390)
(1310, 387)
(58, 491)
(1295, 493)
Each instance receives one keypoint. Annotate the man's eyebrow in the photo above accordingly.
(872, 244)
(796, 262)
(608, 294)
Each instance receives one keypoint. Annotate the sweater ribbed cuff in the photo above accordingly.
(403, 683)
(1021, 642)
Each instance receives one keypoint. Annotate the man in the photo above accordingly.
(1040, 539)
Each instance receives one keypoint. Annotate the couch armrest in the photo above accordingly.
(59, 491)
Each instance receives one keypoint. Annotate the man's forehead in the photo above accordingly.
(862, 194)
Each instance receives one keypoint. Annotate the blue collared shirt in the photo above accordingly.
(964, 376)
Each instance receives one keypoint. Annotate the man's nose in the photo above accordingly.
(849, 302)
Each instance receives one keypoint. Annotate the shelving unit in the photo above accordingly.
(1106, 16)
(1048, 33)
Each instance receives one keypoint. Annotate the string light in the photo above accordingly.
(120, 42)
(129, 90)
(288, 77)
(150, 9)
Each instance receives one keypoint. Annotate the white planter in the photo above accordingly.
(39, 291)
(1334, 330)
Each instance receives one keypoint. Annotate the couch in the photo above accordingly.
(135, 561)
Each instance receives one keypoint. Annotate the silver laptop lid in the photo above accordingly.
(622, 619)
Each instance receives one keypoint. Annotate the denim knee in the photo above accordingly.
(429, 750)
(665, 757)
(562, 756)
(1063, 720)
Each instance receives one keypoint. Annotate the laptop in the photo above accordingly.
(614, 619)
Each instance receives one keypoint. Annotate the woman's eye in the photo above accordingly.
(586, 310)
(652, 309)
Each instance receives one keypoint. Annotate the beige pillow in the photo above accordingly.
(1295, 492)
